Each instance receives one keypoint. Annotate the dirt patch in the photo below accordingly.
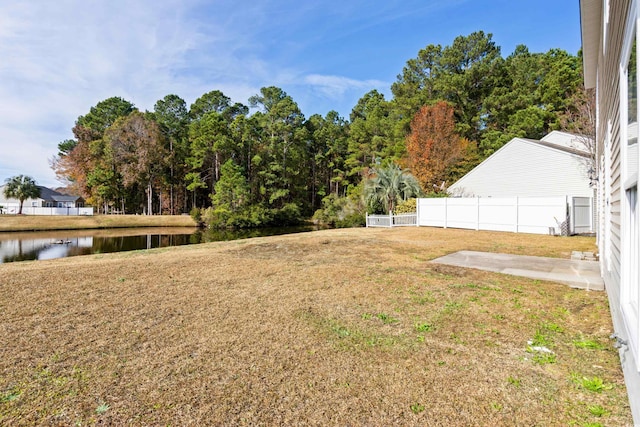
(335, 327)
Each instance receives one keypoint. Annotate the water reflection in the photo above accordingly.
(25, 246)
(20, 249)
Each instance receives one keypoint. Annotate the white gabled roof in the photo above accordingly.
(565, 139)
(528, 168)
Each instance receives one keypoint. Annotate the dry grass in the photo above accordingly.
(37, 223)
(335, 327)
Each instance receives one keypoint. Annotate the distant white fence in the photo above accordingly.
(29, 210)
(538, 215)
(400, 220)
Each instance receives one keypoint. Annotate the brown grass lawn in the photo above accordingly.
(40, 222)
(335, 327)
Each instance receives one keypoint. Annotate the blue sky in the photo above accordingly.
(60, 58)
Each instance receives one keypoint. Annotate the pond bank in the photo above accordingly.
(42, 223)
(49, 244)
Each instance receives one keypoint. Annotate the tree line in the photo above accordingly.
(265, 163)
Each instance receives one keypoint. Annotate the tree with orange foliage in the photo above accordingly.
(71, 166)
(433, 146)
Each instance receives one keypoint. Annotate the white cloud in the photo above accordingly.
(336, 87)
(60, 58)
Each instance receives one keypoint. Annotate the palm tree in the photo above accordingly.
(391, 185)
(21, 187)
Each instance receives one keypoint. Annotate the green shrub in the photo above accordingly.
(213, 218)
(251, 217)
(256, 216)
(340, 212)
(408, 206)
(353, 220)
(289, 214)
(196, 214)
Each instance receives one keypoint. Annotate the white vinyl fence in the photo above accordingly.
(538, 215)
(29, 210)
(582, 215)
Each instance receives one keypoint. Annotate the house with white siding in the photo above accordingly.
(556, 165)
(50, 202)
(610, 33)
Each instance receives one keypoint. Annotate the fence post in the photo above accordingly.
(390, 219)
(446, 208)
(417, 211)
(571, 212)
(592, 208)
(517, 224)
(366, 219)
(570, 219)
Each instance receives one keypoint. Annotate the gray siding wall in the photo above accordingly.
(608, 99)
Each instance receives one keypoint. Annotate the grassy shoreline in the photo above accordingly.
(42, 223)
(333, 327)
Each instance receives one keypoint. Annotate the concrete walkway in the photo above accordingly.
(577, 274)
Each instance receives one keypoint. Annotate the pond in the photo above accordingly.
(41, 245)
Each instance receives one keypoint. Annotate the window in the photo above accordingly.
(632, 246)
(632, 96)
(630, 219)
(606, 26)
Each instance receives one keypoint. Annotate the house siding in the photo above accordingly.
(48, 199)
(609, 108)
(524, 168)
(611, 197)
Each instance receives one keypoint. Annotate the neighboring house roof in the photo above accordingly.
(528, 168)
(570, 150)
(49, 194)
(569, 140)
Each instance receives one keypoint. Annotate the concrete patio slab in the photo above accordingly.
(575, 273)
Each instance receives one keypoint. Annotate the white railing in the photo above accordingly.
(400, 220)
